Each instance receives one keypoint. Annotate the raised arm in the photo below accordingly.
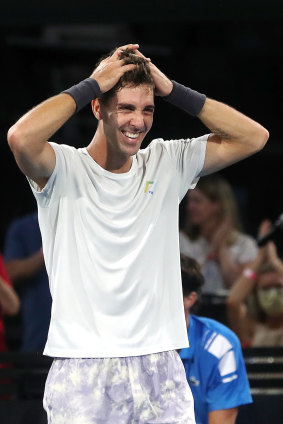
(28, 137)
(234, 135)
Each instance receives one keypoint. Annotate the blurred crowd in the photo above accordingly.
(246, 278)
(25, 275)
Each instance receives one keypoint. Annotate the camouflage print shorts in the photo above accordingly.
(149, 389)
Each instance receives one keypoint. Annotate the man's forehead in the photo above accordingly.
(135, 93)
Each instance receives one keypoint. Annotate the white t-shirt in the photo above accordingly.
(111, 249)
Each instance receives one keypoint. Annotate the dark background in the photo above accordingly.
(229, 50)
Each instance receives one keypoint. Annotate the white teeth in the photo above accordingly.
(131, 135)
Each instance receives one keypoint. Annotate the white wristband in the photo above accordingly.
(249, 273)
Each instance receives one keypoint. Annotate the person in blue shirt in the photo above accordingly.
(214, 362)
(25, 266)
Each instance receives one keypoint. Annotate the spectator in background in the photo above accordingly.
(25, 266)
(213, 363)
(212, 234)
(9, 301)
(263, 278)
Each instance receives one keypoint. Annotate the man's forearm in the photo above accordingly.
(231, 125)
(234, 136)
(40, 123)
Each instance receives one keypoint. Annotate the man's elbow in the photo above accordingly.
(16, 138)
(260, 137)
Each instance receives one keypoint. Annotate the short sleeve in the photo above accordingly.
(189, 155)
(56, 183)
(229, 386)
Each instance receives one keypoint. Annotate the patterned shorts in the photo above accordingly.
(149, 389)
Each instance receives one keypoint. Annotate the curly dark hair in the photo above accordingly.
(139, 75)
(192, 278)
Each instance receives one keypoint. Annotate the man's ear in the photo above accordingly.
(192, 298)
(96, 109)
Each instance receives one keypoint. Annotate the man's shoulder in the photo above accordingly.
(153, 144)
(161, 143)
(160, 146)
(70, 157)
(65, 148)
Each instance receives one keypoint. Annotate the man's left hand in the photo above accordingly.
(163, 85)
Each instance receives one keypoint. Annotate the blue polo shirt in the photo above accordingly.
(23, 239)
(214, 367)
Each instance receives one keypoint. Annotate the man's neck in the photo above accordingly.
(188, 319)
(108, 159)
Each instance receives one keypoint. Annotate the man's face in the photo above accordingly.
(127, 118)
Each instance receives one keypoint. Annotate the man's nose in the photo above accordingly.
(137, 120)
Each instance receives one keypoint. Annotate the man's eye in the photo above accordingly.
(149, 111)
(125, 109)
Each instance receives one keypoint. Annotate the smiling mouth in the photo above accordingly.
(131, 136)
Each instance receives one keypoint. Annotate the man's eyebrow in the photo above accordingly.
(150, 107)
(125, 105)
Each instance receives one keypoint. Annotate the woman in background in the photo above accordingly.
(212, 233)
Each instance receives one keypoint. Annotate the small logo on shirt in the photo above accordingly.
(150, 187)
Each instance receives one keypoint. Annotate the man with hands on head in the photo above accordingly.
(108, 214)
